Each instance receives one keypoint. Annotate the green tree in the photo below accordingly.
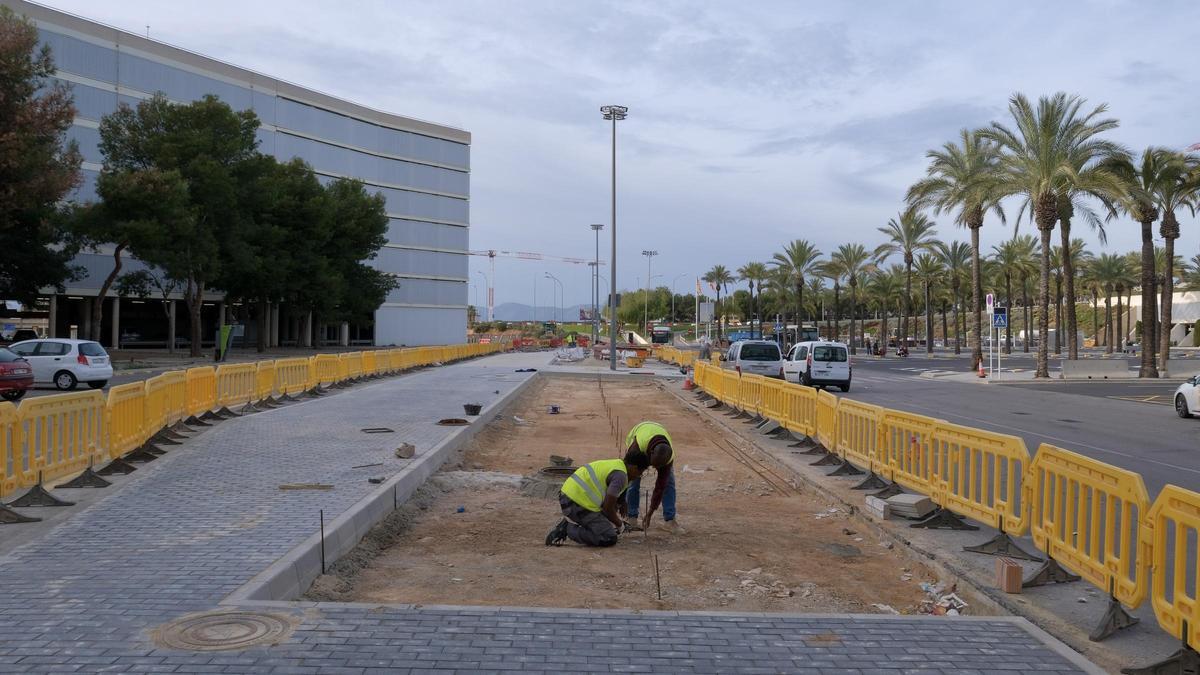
(798, 260)
(1183, 192)
(907, 235)
(930, 271)
(833, 270)
(755, 273)
(957, 257)
(1066, 269)
(963, 178)
(1014, 259)
(719, 278)
(38, 167)
(1053, 150)
(885, 288)
(854, 262)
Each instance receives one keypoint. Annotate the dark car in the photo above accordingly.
(16, 375)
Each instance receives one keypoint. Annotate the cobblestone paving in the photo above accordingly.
(190, 528)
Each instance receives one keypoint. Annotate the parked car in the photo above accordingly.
(755, 357)
(819, 363)
(1187, 397)
(16, 375)
(65, 363)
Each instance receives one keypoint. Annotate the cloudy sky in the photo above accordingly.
(750, 123)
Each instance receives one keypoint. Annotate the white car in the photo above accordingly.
(65, 363)
(819, 363)
(755, 357)
(1187, 397)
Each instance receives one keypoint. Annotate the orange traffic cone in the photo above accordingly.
(688, 385)
(981, 373)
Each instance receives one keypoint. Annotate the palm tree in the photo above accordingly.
(1014, 259)
(908, 235)
(1064, 270)
(1184, 191)
(957, 257)
(884, 288)
(962, 178)
(1053, 152)
(1108, 271)
(754, 273)
(1191, 273)
(719, 278)
(799, 259)
(833, 270)
(815, 290)
(854, 261)
(1094, 283)
(929, 270)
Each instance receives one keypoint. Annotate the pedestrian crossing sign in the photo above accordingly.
(1000, 317)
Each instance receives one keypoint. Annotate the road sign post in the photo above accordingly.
(999, 320)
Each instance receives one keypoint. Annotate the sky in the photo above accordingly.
(750, 124)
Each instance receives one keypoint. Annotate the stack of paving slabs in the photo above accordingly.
(915, 507)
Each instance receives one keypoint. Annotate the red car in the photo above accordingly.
(16, 375)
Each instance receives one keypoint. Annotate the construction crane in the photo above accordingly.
(492, 254)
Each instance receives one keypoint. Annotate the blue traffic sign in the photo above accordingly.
(1000, 317)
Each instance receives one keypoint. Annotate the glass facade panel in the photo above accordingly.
(431, 235)
(152, 77)
(89, 142)
(430, 292)
(86, 192)
(425, 263)
(91, 103)
(412, 204)
(336, 159)
(73, 55)
(264, 106)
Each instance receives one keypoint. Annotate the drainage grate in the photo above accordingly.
(378, 430)
(221, 631)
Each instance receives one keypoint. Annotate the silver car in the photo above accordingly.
(65, 363)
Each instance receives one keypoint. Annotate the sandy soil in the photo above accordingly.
(754, 542)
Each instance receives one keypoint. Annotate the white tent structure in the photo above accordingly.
(1185, 311)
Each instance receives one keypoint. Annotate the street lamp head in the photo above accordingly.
(597, 226)
(649, 253)
(614, 112)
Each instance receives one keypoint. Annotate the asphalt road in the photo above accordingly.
(1103, 420)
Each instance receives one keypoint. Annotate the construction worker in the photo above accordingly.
(651, 439)
(591, 501)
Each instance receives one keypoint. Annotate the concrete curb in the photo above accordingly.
(290, 576)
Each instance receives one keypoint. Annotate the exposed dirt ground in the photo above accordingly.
(754, 542)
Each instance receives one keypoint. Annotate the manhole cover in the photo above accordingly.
(453, 422)
(221, 631)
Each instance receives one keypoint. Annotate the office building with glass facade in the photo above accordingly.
(422, 170)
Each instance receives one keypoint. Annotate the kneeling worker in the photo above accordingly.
(651, 440)
(591, 500)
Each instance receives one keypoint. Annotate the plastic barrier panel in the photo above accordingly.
(751, 394)
(826, 426)
(978, 474)
(773, 407)
(236, 383)
(264, 380)
(800, 409)
(201, 390)
(1173, 529)
(906, 450)
(292, 376)
(12, 461)
(176, 392)
(324, 369)
(858, 432)
(369, 366)
(60, 434)
(353, 365)
(1086, 515)
(134, 414)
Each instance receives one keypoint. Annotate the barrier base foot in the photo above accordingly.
(168, 437)
(226, 414)
(1002, 544)
(816, 449)
(944, 519)
(1186, 660)
(194, 421)
(210, 416)
(1049, 573)
(871, 482)
(756, 420)
(805, 442)
(741, 415)
(889, 491)
(38, 496)
(846, 469)
(769, 427)
(180, 429)
(140, 455)
(315, 392)
(1115, 618)
(271, 402)
(87, 479)
(829, 459)
(10, 517)
(713, 404)
(117, 466)
(248, 409)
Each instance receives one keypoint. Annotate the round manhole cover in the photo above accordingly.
(220, 631)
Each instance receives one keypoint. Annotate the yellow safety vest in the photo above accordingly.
(645, 432)
(587, 486)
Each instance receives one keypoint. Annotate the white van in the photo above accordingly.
(755, 357)
(819, 363)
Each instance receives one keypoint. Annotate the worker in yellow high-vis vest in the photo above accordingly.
(650, 439)
(591, 501)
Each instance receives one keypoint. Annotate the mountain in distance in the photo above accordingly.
(516, 311)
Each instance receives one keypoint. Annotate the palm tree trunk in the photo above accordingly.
(1058, 324)
(1011, 313)
(799, 306)
(1108, 327)
(1025, 309)
(720, 316)
(1095, 326)
(1043, 354)
(1119, 338)
(976, 296)
(837, 310)
(907, 303)
(1148, 368)
(853, 307)
(1068, 272)
(928, 320)
(1164, 345)
(945, 330)
(957, 316)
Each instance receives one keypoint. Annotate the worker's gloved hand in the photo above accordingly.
(631, 526)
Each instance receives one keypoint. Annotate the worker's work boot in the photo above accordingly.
(557, 535)
(674, 527)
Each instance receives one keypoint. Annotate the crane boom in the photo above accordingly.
(492, 254)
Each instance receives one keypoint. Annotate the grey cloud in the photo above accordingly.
(1144, 73)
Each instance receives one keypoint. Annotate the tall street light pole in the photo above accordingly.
(646, 301)
(560, 294)
(596, 287)
(613, 113)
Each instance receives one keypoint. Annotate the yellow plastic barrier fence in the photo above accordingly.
(236, 383)
(324, 369)
(59, 434)
(369, 366)
(134, 414)
(174, 387)
(858, 433)
(750, 395)
(264, 381)
(978, 474)
(773, 403)
(12, 467)
(731, 385)
(800, 410)
(292, 376)
(201, 390)
(1087, 515)
(1173, 527)
(906, 450)
(352, 365)
(827, 419)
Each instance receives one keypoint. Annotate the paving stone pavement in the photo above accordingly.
(187, 530)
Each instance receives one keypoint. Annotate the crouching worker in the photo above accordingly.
(592, 501)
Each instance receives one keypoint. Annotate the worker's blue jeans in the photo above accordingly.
(633, 497)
